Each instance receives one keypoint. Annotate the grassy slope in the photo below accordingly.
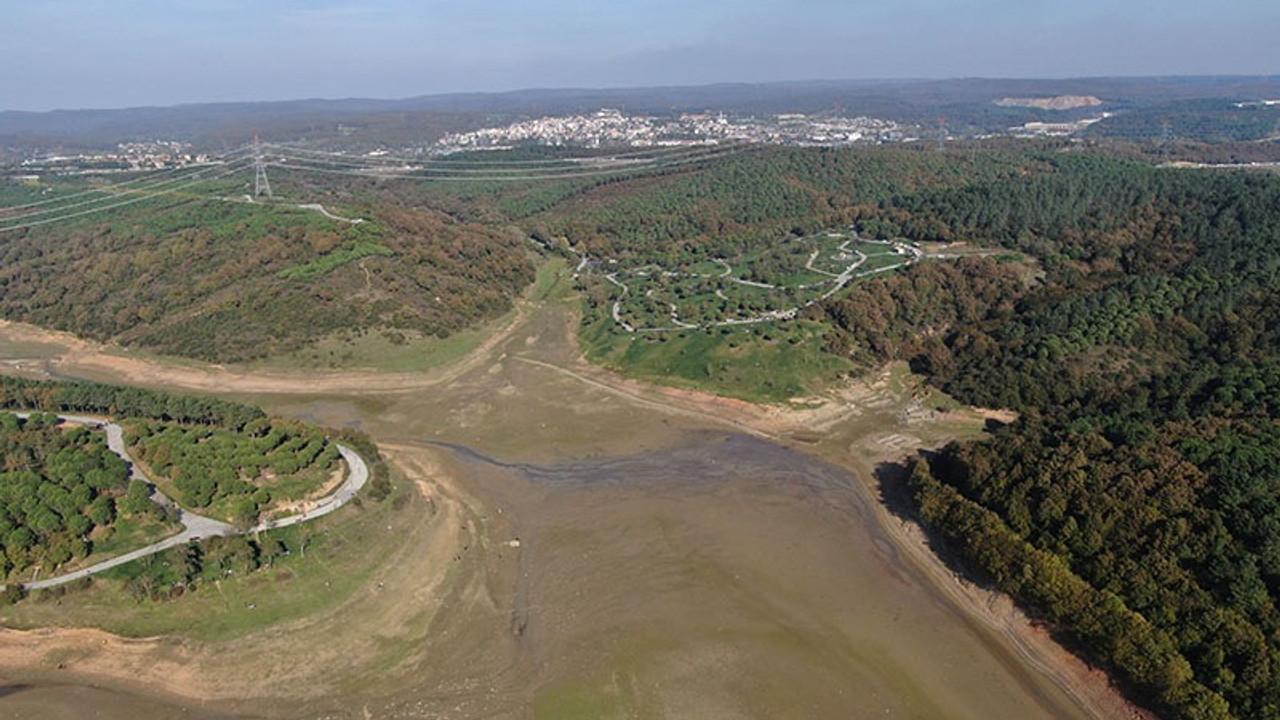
(404, 350)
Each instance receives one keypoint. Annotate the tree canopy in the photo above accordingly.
(1136, 501)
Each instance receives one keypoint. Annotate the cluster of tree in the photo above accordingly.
(64, 396)
(300, 455)
(68, 396)
(176, 571)
(239, 472)
(60, 489)
(902, 315)
(1136, 501)
(783, 264)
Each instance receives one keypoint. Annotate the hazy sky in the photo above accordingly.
(120, 53)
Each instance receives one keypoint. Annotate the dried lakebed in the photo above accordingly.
(732, 577)
(725, 577)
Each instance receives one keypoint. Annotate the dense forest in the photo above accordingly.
(61, 491)
(59, 396)
(753, 198)
(1136, 502)
(1204, 119)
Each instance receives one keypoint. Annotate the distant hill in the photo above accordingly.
(967, 104)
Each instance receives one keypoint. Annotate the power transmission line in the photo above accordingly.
(149, 180)
(142, 194)
(355, 168)
(106, 194)
(177, 180)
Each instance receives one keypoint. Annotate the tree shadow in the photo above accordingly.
(891, 484)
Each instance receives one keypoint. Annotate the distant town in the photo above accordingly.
(155, 155)
(605, 128)
(612, 128)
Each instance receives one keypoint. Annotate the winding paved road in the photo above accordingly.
(195, 527)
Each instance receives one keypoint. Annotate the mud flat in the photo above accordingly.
(732, 577)
(75, 702)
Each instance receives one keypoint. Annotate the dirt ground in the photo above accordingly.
(582, 545)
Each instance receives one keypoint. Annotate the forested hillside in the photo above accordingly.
(753, 198)
(226, 282)
(1136, 502)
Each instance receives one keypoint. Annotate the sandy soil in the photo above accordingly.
(283, 509)
(1088, 685)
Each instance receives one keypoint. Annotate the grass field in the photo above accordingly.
(763, 363)
(128, 534)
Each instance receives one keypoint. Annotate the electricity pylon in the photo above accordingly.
(260, 185)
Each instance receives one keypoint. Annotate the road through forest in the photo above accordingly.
(194, 526)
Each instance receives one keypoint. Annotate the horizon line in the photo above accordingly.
(654, 87)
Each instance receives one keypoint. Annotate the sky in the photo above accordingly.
(72, 54)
